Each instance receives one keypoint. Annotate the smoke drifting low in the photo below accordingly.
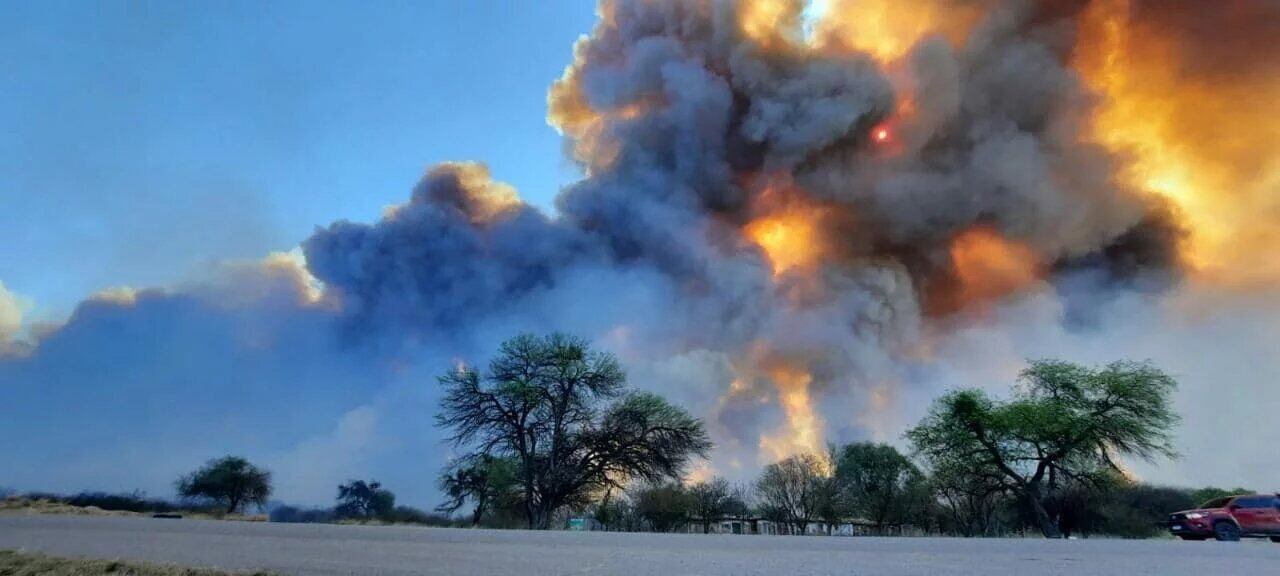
(802, 227)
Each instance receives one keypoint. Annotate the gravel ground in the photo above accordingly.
(331, 550)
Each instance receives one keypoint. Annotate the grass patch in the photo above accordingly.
(19, 564)
(81, 505)
(43, 505)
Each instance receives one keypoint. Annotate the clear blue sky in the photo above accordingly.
(140, 141)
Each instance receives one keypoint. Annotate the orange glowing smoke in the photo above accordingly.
(789, 229)
(802, 432)
(790, 239)
(1192, 96)
(771, 23)
(989, 266)
(888, 29)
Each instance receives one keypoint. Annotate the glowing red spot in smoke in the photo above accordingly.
(880, 134)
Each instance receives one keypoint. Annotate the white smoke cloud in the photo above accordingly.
(1218, 342)
(310, 472)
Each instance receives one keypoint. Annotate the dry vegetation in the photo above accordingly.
(25, 505)
(19, 564)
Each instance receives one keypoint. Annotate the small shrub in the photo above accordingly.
(295, 515)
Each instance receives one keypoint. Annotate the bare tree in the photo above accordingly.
(714, 499)
(794, 490)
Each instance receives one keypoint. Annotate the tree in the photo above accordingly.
(360, 499)
(230, 482)
(664, 507)
(879, 484)
(1065, 422)
(969, 496)
(1135, 510)
(794, 490)
(487, 481)
(1202, 495)
(714, 499)
(562, 413)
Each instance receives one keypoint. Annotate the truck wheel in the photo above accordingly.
(1226, 531)
(1275, 539)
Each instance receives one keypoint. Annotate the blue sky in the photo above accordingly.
(140, 141)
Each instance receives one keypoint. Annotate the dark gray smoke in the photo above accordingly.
(680, 122)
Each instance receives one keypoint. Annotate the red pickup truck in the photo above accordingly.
(1230, 519)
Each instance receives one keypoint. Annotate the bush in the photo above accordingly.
(130, 502)
(411, 515)
(295, 515)
(1136, 510)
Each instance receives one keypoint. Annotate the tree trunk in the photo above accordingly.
(1035, 498)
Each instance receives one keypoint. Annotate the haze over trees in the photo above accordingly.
(563, 415)
(230, 482)
(1065, 426)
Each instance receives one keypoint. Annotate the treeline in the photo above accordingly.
(233, 486)
(863, 489)
(549, 431)
(361, 501)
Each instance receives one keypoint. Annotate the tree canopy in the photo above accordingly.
(563, 415)
(230, 482)
(795, 490)
(1064, 423)
(663, 506)
(879, 484)
(714, 499)
(488, 482)
(360, 499)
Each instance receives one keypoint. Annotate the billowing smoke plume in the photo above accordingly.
(800, 224)
(793, 219)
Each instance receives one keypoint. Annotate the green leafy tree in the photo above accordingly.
(563, 415)
(970, 497)
(486, 481)
(1065, 422)
(230, 482)
(360, 499)
(715, 499)
(664, 507)
(1135, 510)
(794, 490)
(1203, 495)
(877, 483)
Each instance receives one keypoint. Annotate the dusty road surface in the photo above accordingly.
(325, 550)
